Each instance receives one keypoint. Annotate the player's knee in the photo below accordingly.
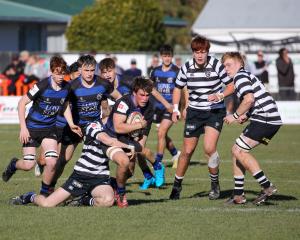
(105, 201)
(161, 134)
(29, 162)
(187, 154)
(240, 147)
(214, 160)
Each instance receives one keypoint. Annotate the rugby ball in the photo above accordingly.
(135, 117)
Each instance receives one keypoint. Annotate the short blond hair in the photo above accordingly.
(233, 55)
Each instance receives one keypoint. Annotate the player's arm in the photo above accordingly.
(176, 100)
(115, 94)
(161, 99)
(106, 109)
(245, 105)
(69, 118)
(24, 133)
(122, 127)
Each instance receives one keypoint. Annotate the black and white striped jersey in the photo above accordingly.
(93, 161)
(202, 82)
(264, 109)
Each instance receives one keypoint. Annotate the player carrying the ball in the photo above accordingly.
(118, 126)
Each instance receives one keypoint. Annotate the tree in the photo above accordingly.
(113, 25)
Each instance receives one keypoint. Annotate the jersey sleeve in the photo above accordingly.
(121, 107)
(93, 129)
(243, 85)
(37, 89)
(181, 78)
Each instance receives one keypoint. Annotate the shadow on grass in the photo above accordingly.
(133, 202)
(228, 193)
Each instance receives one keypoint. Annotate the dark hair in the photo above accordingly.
(200, 43)
(166, 49)
(58, 62)
(107, 63)
(142, 83)
(281, 50)
(234, 55)
(74, 67)
(87, 60)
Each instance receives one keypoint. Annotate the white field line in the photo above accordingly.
(202, 161)
(234, 209)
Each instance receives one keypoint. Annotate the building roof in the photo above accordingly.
(249, 14)
(11, 11)
(70, 7)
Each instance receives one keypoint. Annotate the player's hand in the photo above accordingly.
(175, 116)
(76, 129)
(131, 154)
(24, 135)
(243, 118)
(216, 97)
(142, 124)
(229, 119)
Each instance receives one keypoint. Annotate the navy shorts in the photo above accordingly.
(196, 120)
(38, 135)
(78, 184)
(261, 132)
(160, 114)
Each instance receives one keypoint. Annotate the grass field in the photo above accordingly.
(151, 215)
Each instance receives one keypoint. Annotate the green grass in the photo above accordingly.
(151, 215)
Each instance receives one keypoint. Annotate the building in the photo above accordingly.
(250, 25)
(25, 27)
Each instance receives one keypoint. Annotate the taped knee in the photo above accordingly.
(214, 160)
(111, 151)
(29, 157)
(242, 144)
(51, 154)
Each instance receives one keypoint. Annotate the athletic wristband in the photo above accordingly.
(220, 96)
(175, 108)
(235, 115)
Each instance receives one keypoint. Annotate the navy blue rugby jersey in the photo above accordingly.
(164, 82)
(86, 102)
(126, 106)
(47, 103)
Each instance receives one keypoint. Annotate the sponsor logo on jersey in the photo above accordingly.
(99, 96)
(207, 73)
(122, 107)
(34, 90)
(169, 80)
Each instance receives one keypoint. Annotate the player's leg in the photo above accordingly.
(253, 135)
(210, 141)
(118, 156)
(51, 155)
(55, 198)
(188, 148)
(102, 196)
(173, 151)
(238, 195)
(25, 164)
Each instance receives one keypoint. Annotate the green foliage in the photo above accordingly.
(113, 25)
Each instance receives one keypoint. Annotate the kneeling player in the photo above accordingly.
(258, 105)
(90, 178)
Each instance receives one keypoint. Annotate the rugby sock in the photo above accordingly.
(177, 181)
(147, 173)
(262, 179)
(214, 177)
(157, 163)
(238, 185)
(173, 151)
(121, 190)
(46, 189)
(13, 166)
(88, 201)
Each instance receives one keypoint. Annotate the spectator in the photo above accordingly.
(12, 72)
(133, 71)
(262, 65)
(119, 69)
(286, 75)
(34, 71)
(178, 62)
(154, 63)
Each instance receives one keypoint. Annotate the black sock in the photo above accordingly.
(214, 178)
(87, 201)
(238, 185)
(262, 179)
(46, 189)
(177, 181)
